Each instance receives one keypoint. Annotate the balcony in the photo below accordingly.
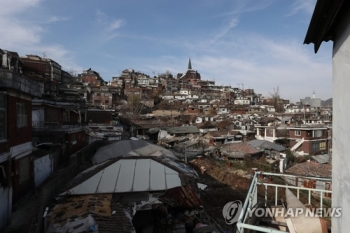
(54, 126)
(308, 192)
(9, 79)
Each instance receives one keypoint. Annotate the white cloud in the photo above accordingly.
(243, 6)
(101, 17)
(24, 35)
(257, 62)
(54, 19)
(11, 7)
(302, 5)
(16, 34)
(115, 24)
(233, 23)
(108, 25)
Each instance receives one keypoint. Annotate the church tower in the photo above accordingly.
(189, 67)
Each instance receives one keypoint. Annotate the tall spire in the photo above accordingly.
(189, 64)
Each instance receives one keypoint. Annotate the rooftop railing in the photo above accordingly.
(316, 190)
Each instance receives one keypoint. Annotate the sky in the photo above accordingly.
(256, 44)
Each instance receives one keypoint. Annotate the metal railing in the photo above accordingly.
(251, 200)
(41, 125)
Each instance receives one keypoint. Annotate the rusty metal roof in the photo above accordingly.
(76, 213)
(183, 196)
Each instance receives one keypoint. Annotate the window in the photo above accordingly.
(317, 133)
(98, 94)
(317, 146)
(106, 94)
(106, 101)
(323, 146)
(21, 115)
(3, 105)
(297, 133)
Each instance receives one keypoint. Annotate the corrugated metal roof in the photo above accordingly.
(130, 175)
(127, 148)
(321, 158)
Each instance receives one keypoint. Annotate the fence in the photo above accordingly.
(252, 198)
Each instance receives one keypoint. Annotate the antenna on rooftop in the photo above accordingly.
(44, 54)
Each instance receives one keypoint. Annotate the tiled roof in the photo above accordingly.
(183, 196)
(263, 144)
(238, 150)
(205, 125)
(223, 124)
(311, 169)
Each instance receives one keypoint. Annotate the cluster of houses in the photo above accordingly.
(48, 115)
(222, 132)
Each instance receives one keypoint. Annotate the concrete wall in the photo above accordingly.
(42, 169)
(6, 206)
(341, 125)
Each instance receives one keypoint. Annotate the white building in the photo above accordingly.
(242, 101)
(331, 21)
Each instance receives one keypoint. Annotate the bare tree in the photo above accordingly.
(275, 98)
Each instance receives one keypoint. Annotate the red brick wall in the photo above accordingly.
(81, 139)
(99, 117)
(92, 79)
(17, 135)
(307, 134)
(101, 98)
(269, 132)
(192, 111)
(36, 66)
(53, 114)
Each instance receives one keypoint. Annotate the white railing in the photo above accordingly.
(252, 197)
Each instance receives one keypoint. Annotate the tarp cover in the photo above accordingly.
(127, 148)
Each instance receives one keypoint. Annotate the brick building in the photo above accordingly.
(16, 179)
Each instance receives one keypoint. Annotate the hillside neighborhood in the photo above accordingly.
(148, 154)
